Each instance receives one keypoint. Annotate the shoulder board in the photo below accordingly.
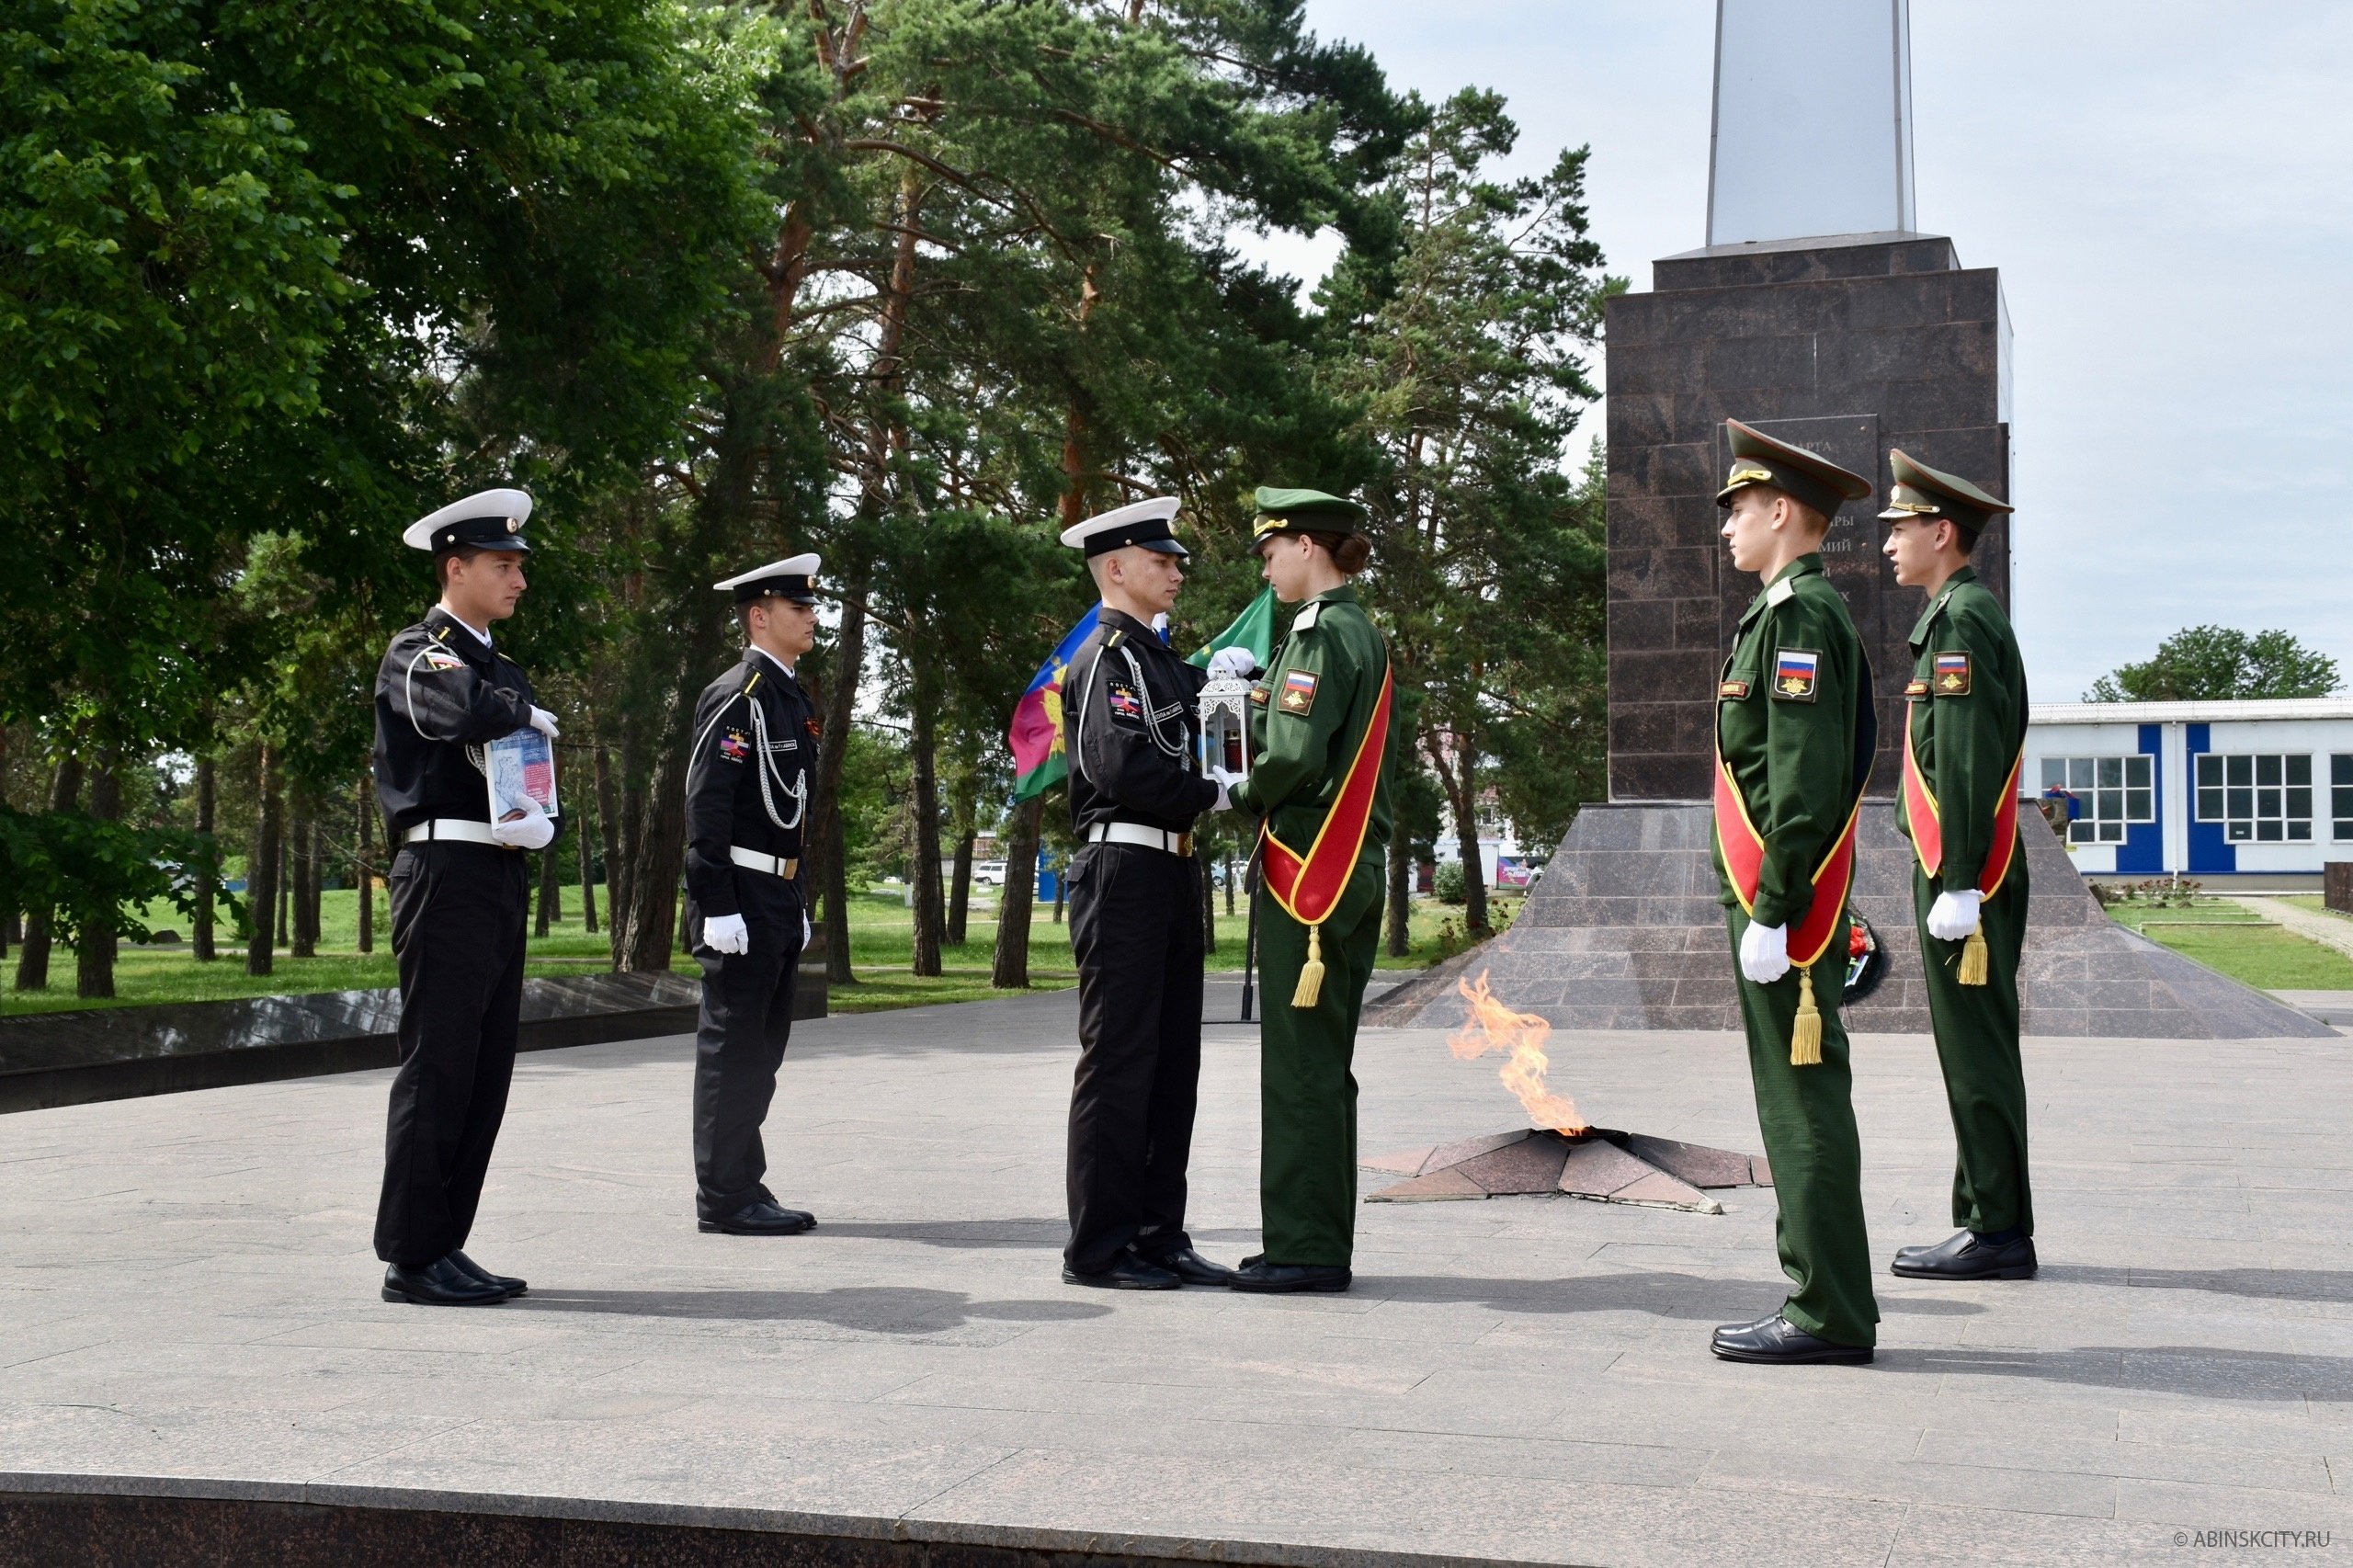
(1113, 641)
(1782, 592)
(1306, 619)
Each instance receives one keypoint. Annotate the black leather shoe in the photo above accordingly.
(1962, 1255)
(1127, 1272)
(1288, 1278)
(1191, 1266)
(507, 1282)
(1779, 1341)
(760, 1218)
(440, 1283)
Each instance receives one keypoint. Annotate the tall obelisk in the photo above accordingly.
(1817, 311)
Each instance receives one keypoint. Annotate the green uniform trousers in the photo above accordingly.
(1307, 1094)
(1977, 1044)
(1807, 1114)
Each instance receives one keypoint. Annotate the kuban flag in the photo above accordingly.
(1037, 735)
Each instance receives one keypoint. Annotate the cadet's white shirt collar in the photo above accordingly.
(772, 659)
(461, 620)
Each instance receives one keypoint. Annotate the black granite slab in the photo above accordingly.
(55, 1059)
(1846, 346)
(67, 1519)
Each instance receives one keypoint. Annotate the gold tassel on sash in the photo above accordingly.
(1311, 974)
(1806, 1037)
(1973, 958)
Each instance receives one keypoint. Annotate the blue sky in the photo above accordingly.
(2167, 189)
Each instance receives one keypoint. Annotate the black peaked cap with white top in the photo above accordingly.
(793, 578)
(1143, 524)
(488, 519)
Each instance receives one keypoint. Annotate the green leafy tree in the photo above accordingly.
(2219, 663)
(1464, 348)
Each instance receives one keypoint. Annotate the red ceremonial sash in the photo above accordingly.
(1926, 823)
(1308, 886)
(1743, 849)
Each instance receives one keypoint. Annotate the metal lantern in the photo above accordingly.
(1225, 726)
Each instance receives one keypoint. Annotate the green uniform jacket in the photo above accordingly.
(1794, 724)
(1308, 715)
(1966, 706)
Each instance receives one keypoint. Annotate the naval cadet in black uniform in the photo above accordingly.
(459, 892)
(1130, 729)
(747, 801)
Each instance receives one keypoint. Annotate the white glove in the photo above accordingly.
(726, 934)
(1764, 953)
(532, 830)
(1237, 662)
(1954, 914)
(1225, 783)
(805, 932)
(1224, 802)
(543, 721)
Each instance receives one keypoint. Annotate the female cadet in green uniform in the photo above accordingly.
(1794, 736)
(1319, 779)
(1965, 730)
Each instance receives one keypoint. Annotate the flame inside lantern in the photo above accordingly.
(1494, 1026)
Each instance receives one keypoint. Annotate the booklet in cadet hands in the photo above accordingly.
(521, 768)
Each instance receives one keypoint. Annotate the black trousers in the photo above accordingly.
(457, 912)
(1135, 929)
(739, 1044)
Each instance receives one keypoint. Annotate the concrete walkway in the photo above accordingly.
(2328, 929)
(186, 1290)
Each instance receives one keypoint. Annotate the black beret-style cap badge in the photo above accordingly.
(1928, 492)
(1809, 480)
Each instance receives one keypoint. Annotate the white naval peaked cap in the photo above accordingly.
(1143, 523)
(488, 519)
(789, 578)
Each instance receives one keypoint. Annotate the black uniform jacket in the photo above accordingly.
(439, 692)
(1128, 703)
(753, 723)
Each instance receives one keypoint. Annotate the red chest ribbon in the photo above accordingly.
(1926, 820)
(1743, 849)
(1307, 885)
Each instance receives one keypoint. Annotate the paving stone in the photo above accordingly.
(186, 1290)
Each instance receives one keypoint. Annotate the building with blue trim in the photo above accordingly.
(2257, 791)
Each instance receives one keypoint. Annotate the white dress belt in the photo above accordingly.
(1136, 832)
(451, 829)
(753, 860)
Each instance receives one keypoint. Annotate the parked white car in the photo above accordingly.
(988, 873)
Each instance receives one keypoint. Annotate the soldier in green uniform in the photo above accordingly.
(1964, 738)
(1794, 736)
(1319, 780)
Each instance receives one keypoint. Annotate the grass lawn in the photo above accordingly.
(2315, 902)
(882, 943)
(2241, 944)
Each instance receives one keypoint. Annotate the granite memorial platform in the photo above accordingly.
(55, 1059)
(1624, 930)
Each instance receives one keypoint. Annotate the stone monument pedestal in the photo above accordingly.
(1624, 931)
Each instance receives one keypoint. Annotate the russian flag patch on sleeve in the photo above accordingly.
(1951, 678)
(1796, 674)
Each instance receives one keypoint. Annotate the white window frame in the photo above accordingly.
(2222, 783)
(2108, 809)
(2340, 797)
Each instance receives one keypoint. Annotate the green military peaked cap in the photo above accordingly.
(1925, 491)
(1304, 511)
(1811, 481)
